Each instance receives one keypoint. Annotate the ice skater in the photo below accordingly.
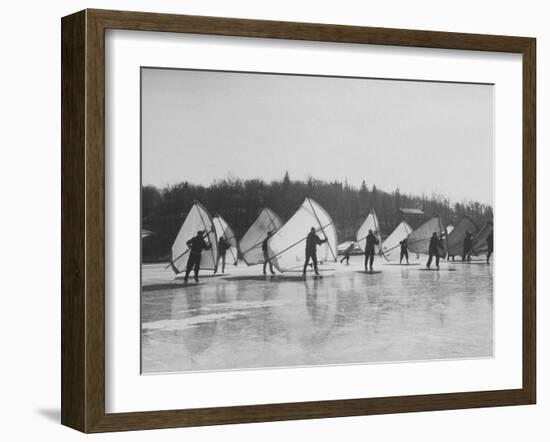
(467, 247)
(223, 246)
(433, 250)
(371, 242)
(489, 246)
(196, 245)
(404, 251)
(267, 259)
(312, 241)
(347, 253)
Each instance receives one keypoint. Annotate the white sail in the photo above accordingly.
(197, 219)
(370, 223)
(419, 240)
(391, 247)
(223, 229)
(251, 243)
(455, 240)
(287, 247)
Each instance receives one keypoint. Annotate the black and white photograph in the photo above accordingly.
(305, 220)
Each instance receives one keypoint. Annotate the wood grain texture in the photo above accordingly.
(144, 21)
(83, 220)
(73, 253)
(529, 221)
(95, 222)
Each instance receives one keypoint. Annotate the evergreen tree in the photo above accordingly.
(239, 202)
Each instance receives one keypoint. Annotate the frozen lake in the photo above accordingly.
(245, 320)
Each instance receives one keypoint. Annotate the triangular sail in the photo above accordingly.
(455, 240)
(391, 246)
(419, 240)
(287, 246)
(223, 229)
(370, 223)
(251, 243)
(480, 240)
(197, 219)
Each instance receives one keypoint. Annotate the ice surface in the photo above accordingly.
(245, 320)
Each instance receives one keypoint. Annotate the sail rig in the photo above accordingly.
(419, 240)
(455, 240)
(250, 244)
(480, 240)
(370, 223)
(223, 229)
(391, 246)
(197, 219)
(287, 247)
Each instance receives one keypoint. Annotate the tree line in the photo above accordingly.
(239, 201)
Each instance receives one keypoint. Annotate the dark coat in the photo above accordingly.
(312, 241)
(435, 244)
(467, 244)
(223, 246)
(197, 244)
(371, 242)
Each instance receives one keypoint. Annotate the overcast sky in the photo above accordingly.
(199, 126)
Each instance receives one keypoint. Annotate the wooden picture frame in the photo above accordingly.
(83, 220)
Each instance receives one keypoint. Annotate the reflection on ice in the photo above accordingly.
(245, 320)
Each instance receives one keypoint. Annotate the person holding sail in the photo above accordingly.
(312, 241)
(370, 243)
(267, 259)
(433, 250)
(467, 247)
(347, 253)
(223, 246)
(404, 251)
(196, 245)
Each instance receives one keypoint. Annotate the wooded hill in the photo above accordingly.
(239, 201)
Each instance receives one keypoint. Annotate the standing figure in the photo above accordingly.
(489, 246)
(223, 246)
(404, 251)
(267, 259)
(467, 247)
(312, 241)
(433, 250)
(347, 253)
(196, 246)
(369, 249)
